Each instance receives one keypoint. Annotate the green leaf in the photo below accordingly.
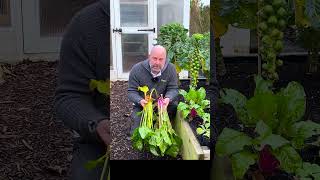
(274, 140)
(182, 106)
(200, 131)
(192, 94)
(241, 162)
(163, 147)
(138, 144)
(263, 129)
(300, 131)
(312, 11)
(308, 170)
(220, 25)
(93, 84)
(291, 105)
(201, 94)
(205, 104)
(185, 113)
(153, 150)
(231, 141)
(244, 16)
(173, 151)
(153, 141)
(144, 131)
(166, 137)
(262, 86)
(94, 163)
(263, 106)
(102, 86)
(289, 159)
(300, 17)
(183, 92)
(144, 89)
(238, 101)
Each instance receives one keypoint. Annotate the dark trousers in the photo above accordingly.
(82, 153)
(172, 111)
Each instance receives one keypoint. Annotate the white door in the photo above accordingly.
(37, 39)
(133, 31)
(10, 30)
(44, 22)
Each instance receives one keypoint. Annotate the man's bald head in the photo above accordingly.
(157, 58)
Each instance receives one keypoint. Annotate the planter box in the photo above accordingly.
(191, 149)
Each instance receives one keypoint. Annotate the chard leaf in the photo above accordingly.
(153, 141)
(302, 130)
(200, 131)
(307, 170)
(289, 159)
(231, 141)
(183, 93)
(102, 86)
(184, 108)
(238, 101)
(163, 147)
(144, 89)
(166, 137)
(153, 150)
(138, 144)
(263, 107)
(204, 104)
(173, 151)
(263, 129)
(274, 140)
(262, 86)
(144, 131)
(201, 94)
(291, 105)
(241, 162)
(192, 95)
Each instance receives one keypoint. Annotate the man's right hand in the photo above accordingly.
(103, 130)
(143, 102)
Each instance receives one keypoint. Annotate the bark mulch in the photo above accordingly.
(32, 144)
(121, 108)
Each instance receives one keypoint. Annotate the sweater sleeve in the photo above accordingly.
(133, 85)
(73, 99)
(172, 87)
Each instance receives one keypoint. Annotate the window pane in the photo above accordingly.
(5, 13)
(134, 50)
(169, 11)
(133, 13)
(56, 14)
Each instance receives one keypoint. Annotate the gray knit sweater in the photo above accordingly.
(84, 55)
(140, 75)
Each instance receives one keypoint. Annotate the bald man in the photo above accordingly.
(155, 72)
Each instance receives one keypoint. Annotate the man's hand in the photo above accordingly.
(166, 102)
(143, 102)
(103, 129)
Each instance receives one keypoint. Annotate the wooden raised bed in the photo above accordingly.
(191, 149)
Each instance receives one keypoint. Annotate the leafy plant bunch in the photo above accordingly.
(155, 133)
(273, 15)
(174, 38)
(195, 103)
(279, 131)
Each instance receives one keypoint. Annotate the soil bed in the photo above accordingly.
(32, 144)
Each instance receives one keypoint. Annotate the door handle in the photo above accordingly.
(117, 30)
(153, 30)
